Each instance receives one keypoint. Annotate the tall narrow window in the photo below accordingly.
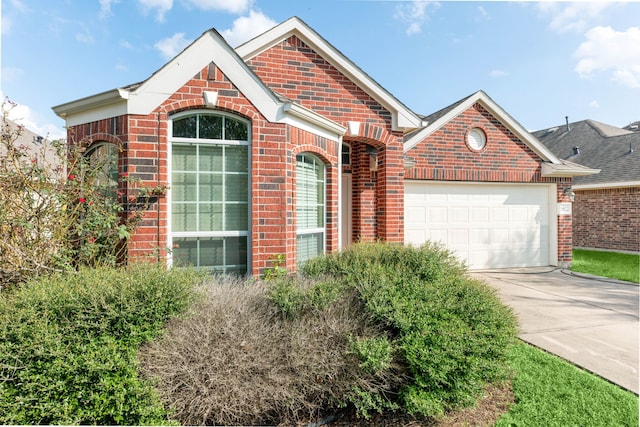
(103, 163)
(210, 192)
(310, 206)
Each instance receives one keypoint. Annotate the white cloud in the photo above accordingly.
(125, 44)
(162, 6)
(483, 12)
(85, 37)
(572, 17)
(608, 50)
(105, 8)
(232, 6)
(247, 27)
(23, 115)
(5, 24)
(19, 5)
(171, 46)
(10, 74)
(498, 73)
(414, 14)
(594, 104)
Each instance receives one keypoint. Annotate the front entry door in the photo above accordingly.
(346, 220)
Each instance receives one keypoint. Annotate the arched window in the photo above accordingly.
(310, 206)
(210, 191)
(103, 165)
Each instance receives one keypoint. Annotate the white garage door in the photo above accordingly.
(488, 225)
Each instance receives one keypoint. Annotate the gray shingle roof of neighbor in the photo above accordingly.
(634, 127)
(615, 151)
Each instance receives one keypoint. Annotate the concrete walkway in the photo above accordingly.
(589, 322)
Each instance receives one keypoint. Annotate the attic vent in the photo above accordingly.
(211, 72)
(37, 140)
(576, 150)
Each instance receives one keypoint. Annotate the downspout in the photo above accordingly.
(158, 186)
(340, 193)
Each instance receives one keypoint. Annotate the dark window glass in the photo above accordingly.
(185, 127)
(210, 127)
(235, 130)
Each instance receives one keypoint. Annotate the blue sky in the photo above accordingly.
(541, 61)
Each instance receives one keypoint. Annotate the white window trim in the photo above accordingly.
(171, 140)
(323, 230)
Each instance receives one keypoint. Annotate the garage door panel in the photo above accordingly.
(480, 214)
(459, 214)
(489, 226)
(438, 214)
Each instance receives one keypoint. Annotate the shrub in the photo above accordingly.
(450, 330)
(68, 345)
(58, 210)
(378, 327)
(251, 355)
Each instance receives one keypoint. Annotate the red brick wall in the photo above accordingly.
(144, 142)
(294, 70)
(607, 219)
(445, 156)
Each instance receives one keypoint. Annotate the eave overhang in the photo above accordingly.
(498, 112)
(403, 119)
(566, 169)
(145, 97)
(606, 185)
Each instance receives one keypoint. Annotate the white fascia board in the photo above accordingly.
(497, 111)
(515, 127)
(170, 78)
(606, 185)
(434, 126)
(95, 107)
(403, 119)
(209, 47)
(308, 120)
(553, 170)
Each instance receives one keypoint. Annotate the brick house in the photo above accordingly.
(285, 146)
(606, 210)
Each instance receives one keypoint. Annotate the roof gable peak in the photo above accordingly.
(403, 119)
(446, 114)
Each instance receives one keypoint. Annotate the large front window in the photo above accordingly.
(310, 207)
(210, 192)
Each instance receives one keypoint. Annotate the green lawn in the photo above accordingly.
(607, 264)
(552, 392)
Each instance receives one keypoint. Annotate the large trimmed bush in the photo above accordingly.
(376, 328)
(68, 345)
(450, 331)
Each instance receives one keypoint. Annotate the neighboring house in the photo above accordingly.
(35, 147)
(284, 146)
(606, 211)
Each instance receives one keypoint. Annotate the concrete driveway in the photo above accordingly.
(589, 321)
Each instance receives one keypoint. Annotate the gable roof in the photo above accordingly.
(403, 119)
(615, 151)
(142, 98)
(552, 165)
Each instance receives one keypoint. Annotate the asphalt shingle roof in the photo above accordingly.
(615, 151)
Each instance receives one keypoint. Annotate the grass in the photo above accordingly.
(552, 392)
(607, 264)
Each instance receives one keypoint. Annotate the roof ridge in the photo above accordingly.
(606, 130)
